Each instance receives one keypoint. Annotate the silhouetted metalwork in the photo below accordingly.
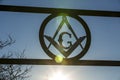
(58, 10)
(60, 40)
(65, 62)
(60, 47)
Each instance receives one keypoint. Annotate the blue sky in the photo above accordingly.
(105, 45)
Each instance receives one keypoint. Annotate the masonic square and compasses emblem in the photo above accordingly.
(65, 35)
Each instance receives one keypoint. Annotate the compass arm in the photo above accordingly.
(75, 45)
(69, 26)
(59, 27)
(55, 44)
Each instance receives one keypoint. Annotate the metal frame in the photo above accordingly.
(65, 62)
(57, 11)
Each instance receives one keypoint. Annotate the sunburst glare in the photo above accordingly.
(58, 75)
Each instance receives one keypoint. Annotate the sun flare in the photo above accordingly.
(58, 76)
(58, 59)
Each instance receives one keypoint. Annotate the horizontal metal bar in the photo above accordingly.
(58, 11)
(65, 62)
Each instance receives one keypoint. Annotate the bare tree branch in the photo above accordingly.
(9, 41)
(10, 71)
(14, 72)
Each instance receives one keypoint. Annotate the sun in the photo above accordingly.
(58, 76)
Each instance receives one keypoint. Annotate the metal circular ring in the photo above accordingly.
(80, 20)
